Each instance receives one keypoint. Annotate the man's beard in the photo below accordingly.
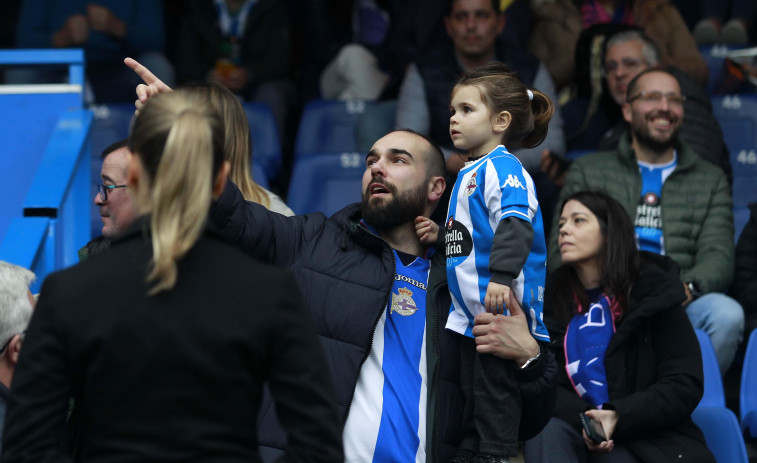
(400, 209)
(644, 138)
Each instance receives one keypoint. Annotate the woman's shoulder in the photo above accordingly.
(658, 286)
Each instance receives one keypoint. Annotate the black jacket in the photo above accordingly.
(744, 287)
(173, 377)
(440, 71)
(264, 47)
(654, 370)
(346, 274)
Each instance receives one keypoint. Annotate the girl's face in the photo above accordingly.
(471, 125)
(580, 238)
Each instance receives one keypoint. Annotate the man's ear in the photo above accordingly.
(627, 113)
(134, 170)
(436, 188)
(219, 183)
(14, 348)
(502, 121)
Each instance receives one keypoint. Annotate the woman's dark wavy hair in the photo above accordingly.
(618, 259)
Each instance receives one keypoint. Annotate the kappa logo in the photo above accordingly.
(514, 182)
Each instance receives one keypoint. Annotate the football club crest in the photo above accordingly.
(472, 185)
(403, 302)
(651, 199)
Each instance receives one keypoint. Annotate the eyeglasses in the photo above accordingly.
(674, 99)
(102, 190)
(628, 63)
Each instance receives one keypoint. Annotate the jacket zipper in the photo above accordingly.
(438, 400)
(375, 324)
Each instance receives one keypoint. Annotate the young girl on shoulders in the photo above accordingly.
(494, 244)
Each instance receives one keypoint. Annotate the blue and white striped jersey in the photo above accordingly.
(387, 417)
(486, 191)
(648, 220)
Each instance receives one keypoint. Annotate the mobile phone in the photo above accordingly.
(593, 429)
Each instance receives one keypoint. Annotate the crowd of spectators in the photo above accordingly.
(608, 65)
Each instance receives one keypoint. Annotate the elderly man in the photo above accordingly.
(112, 198)
(16, 305)
(681, 204)
(627, 54)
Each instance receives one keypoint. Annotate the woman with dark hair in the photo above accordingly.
(630, 358)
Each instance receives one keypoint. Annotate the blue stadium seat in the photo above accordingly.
(111, 124)
(329, 126)
(714, 395)
(258, 174)
(737, 115)
(740, 219)
(325, 182)
(722, 434)
(715, 56)
(744, 190)
(748, 397)
(266, 143)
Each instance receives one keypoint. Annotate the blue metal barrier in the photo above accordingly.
(30, 243)
(44, 165)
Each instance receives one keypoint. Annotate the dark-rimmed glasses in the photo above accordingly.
(102, 190)
(674, 99)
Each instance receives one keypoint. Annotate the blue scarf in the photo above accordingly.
(586, 341)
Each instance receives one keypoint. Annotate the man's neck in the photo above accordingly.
(404, 238)
(649, 156)
(470, 63)
(6, 373)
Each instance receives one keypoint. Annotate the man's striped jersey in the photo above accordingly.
(387, 417)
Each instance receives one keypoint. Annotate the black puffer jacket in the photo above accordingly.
(654, 370)
(346, 274)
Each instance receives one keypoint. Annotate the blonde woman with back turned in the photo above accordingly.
(165, 342)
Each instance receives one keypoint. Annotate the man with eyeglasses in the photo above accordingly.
(112, 198)
(681, 204)
(16, 306)
(627, 54)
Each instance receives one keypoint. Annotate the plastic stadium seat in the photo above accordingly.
(266, 144)
(325, 182)
(714, 395)
(329, 126)
(715, 56)
(748, 397)
(110, 124)
(737, 115)
(744, 190)
(740, 219)
(722, 434)
(258, 174)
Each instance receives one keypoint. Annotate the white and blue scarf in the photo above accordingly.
(586, 340)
